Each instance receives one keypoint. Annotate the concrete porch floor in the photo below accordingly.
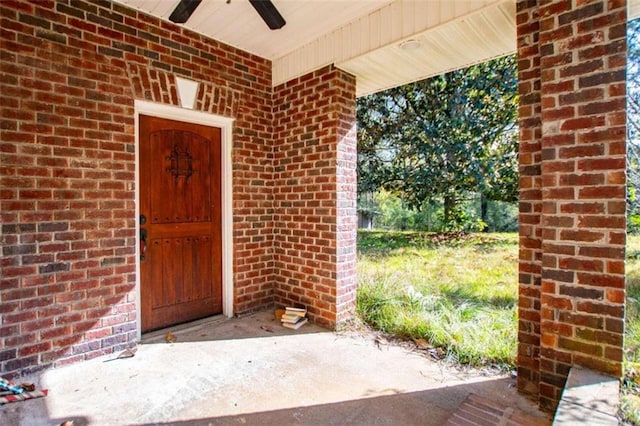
(251, 370)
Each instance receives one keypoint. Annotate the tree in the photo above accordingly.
(443, 137)
(633, 123)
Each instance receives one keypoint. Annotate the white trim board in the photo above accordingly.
(226, 127)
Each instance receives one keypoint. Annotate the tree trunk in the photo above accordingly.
(449, 210)
(484, 211)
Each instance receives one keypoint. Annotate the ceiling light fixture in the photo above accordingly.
(411, 44)
(269, 13)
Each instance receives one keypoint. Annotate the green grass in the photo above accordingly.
(459, 294)
(630, 398)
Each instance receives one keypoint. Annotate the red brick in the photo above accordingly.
(581, 235)
(602, 164)
(557, 302)
(577, 319)
(616, 266)
(602, 252)
(557, 329)
(582, 151)
(616, 296)
(601, 309)
(603, 364)
(34, 349)
(611, 222)
(601, 280)
(582, 123)
(593, 140)
(580, 346)
(54, 332)
(603, 192)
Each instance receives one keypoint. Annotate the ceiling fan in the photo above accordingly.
(265, 9)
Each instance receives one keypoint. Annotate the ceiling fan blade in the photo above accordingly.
(268, 13)
(183, 11)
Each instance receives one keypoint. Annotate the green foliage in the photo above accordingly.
(443, 137)
(457, 292)
(368, 205)
(630, 395)
(501, 217)
(633, 221)
(392, 213)
(633, 124)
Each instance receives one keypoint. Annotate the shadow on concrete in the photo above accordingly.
(428, 407)
(252, 371)
(34, 412)
(431, 407)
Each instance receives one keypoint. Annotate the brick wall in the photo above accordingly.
(69, 74)
(347, 194)
(530, 244)
(573, 117)
(314, 193)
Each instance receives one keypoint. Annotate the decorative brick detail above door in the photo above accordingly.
(156, 85)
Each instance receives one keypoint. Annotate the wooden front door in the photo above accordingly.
(180, 222)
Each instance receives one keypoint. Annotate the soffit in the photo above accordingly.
(634, 9)
(449, 35)
(236, 22)
(361, 36)
(471, 39)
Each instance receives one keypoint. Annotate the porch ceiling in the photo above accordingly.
(363, 37)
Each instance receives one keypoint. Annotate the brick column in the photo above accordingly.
(530, 264)
(315, 194)
(347, 194)
(580, 127)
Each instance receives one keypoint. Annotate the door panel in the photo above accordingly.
(181, 276)
(180, 196)
(185, 183)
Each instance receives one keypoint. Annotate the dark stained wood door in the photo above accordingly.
(181, 244)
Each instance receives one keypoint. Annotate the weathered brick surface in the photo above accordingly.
(69, 74)
(347, 191)
(572, 119)
(531, 206)
(314, 194)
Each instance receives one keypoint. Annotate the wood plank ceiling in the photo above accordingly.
(367, 38)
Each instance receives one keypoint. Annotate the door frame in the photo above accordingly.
(225, 124)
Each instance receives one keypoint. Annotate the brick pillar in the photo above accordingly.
(573, 127)
(347, 193)
(315, 194)
(530, 265)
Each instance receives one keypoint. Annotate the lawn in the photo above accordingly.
(630, 401)
(459, 295)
